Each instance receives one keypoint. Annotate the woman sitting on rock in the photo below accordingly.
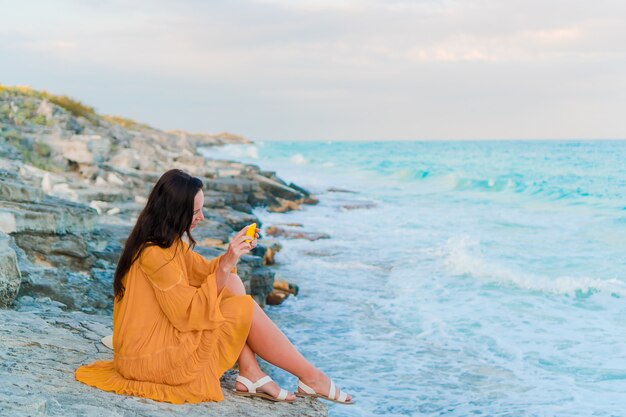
(180, 321)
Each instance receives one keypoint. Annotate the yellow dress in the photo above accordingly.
(173, 334)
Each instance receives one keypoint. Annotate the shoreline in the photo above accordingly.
(71, 185)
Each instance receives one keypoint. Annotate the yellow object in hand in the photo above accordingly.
(251, 232)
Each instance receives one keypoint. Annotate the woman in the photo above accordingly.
(180, 321)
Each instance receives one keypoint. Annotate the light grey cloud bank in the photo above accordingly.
(277, 69)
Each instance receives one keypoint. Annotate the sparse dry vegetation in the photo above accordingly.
(75, 107)
(126, 123)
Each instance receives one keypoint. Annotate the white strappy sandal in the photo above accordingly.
(337, 397)
(252, 386)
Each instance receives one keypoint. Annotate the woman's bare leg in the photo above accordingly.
(270, 343)
(248, 365)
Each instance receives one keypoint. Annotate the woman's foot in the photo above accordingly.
(320, 383)
(271, 388)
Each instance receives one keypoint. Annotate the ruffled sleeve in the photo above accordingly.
(200, 267)
(187, 308)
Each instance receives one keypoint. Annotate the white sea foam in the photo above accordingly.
(516, 308)
(462, 256)
(253, 152)
(451, 180)
(348, 265)
(358, 265)
(298, 159)
(403, 173)
(232, 152)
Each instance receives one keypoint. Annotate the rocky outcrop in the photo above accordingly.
(72, 183)
(291, 233)
(57, 246)
(10, 277)
(25, 208)
(281, 290)
(41, 347)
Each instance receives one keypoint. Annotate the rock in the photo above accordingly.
(78, 291)
(45, 109)
(10, 277)
(52, 215)
(108, 193)
(340, 190)
(278, 190)
(228, 172)
(74, 270)
(288, 287)
(66, 251)
(23, 202)
(296, 187)
(64, 191)
(210, 253)
(12, 188)
(73, 126)
(272, 176)
(57, 342)
(243, 207)
(99, 206)
(214, 199)
(107, 240)
(81, 149)
(310, 200)
(227, 137)
(268, 257)
(8, 222)
(295, 234)
(212, 243)
(236, 219)
(281, 290)
(358, 205)
(46, 184)
(100, 147)
(284, 206)
(204, 139)
(261, 284)
(276, 298)
(125, 159)
(290, 224)
(220, 199)
(232, 185)
(267, 250)
(112, 178)
(214, 230)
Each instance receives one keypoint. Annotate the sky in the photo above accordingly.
(332, 70)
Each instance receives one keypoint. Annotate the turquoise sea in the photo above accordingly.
(461, 278)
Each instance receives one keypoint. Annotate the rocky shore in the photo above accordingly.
(72, 183)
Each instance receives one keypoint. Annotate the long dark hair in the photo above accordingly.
(165, 218)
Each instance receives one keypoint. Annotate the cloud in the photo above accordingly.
(519, 46)
(554, 35)
(50, 45)
(334, 69)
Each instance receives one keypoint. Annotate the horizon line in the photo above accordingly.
(449, 140)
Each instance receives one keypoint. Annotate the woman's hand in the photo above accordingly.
(236, 248)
